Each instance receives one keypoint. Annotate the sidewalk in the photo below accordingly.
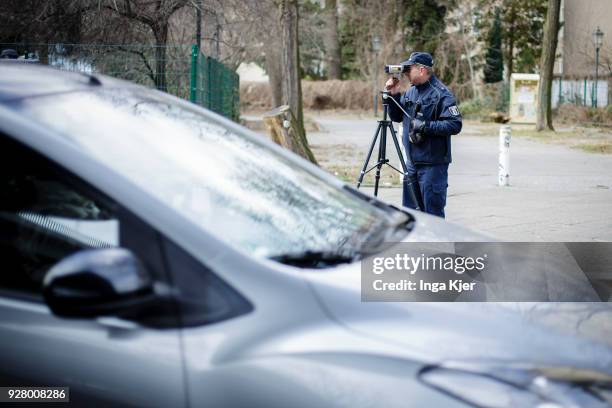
(556, 193)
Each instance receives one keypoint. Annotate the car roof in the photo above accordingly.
(19, 80)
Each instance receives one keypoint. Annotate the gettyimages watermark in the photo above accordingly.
(411, 264)
(485, 271)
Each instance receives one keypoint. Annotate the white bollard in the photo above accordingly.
(505, 133)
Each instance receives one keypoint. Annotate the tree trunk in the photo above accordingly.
(283, 129)
(332, 45)
(160, 31)
(466, 49)
(511, 35)
(510, 57)
(275, 75)
(547, 62)
(292, 87)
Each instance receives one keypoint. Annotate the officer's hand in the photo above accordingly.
(392, 85)
(417, 131)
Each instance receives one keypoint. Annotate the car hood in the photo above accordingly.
(570, 340)
(532, 336)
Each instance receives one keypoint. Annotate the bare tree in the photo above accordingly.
(359, 22)
(466, 13)
(291, 83)
(41, 21)
(274, 67)
(331, 40)
(156, 15)
(457, 57)
(547, 62)
(267, 35)
(251, 31)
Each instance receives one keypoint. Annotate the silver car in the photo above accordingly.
(156, 254)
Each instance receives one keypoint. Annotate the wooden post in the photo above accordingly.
(284, 130)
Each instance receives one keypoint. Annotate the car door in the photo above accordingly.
(46, 213)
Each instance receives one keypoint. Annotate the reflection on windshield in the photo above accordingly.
(225, 182)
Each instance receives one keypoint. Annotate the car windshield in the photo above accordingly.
(224, 180)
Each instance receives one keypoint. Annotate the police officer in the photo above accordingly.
(434, 118)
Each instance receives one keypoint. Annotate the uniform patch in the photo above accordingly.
(454, 110)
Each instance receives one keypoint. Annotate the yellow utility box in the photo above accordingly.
(523, 97)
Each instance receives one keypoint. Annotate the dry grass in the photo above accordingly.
(589, 139)
(349, 174)
(603, 147)
(349, 166)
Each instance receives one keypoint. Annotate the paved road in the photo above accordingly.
(556, 193)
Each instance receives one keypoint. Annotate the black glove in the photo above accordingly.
(417, 131)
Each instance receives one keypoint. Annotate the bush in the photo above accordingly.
(576, 115)
(255, 96)
(600, 115)
(478, 109)
(570, 114)
(472, 109)
(337, 94)
(333, 94)
(497, 96)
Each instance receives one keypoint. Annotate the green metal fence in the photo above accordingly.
(177, 69)
(214, 85)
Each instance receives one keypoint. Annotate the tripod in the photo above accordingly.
(381, 131)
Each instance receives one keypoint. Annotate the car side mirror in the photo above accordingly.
(97, 282)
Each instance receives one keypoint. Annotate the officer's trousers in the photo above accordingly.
(431, 182)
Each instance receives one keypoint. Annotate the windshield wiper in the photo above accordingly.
(399, 226)
(400, 219)
(315, 259)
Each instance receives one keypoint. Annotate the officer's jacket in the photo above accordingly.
(441, 115)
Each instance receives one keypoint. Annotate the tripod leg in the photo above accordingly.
(409, 185)
(381, 156)
(367, 160)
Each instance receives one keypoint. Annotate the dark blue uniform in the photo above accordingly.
(428, 160)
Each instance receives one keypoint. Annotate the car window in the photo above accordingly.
(45, 215)
(224, 180)
(203, 297)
